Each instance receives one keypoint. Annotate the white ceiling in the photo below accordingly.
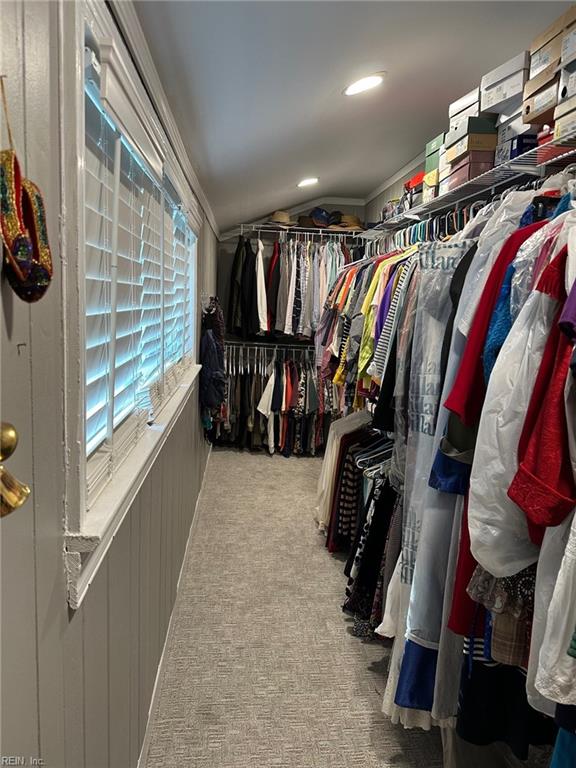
(256, 87)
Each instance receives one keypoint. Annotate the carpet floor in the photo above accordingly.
(260, 669)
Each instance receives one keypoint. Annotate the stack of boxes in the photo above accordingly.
(470, 150)
(431, 168)
(502, 92)
(565, 112)
(541, 90)
(520, 105)
(548, 93)
(469, 145)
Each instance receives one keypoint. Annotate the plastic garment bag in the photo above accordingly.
(525, 273)
(502, 224)
(556, 673)
(498, 529)
(551, 554)
(437, 264)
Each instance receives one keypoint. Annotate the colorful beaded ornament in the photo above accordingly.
(27, 257)
(36, 284)
(18, 245)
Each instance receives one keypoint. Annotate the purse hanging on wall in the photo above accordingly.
(27, 257)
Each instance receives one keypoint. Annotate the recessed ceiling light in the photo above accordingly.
(364, 84)
(308, 182)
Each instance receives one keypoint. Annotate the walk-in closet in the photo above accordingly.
(288, 384)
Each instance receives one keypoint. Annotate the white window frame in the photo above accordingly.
(90, 527)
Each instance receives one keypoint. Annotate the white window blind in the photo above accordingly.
(99, 190)
(140, 294)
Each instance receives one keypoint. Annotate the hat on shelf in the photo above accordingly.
(305, 222)
(320, 217)
(335, 220)
(282, 218)
(350, 221)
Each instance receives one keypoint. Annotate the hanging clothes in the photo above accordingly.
(273, 405)
(282, 294)
(261, 298)
(465, 349)
(235, 304)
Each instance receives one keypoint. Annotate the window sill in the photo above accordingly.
(109, 510)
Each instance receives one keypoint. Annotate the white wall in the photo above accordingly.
(392, 192)
(76, 685)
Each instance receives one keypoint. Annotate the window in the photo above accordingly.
(140, 254)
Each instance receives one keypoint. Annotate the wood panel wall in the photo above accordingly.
(115, 639)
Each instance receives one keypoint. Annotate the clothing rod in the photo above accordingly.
(303, 230)
(270, 345)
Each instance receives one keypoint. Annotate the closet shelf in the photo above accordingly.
(559, 151)
(273, 228)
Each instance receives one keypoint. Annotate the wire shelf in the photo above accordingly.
(555, 155)
(279, 229)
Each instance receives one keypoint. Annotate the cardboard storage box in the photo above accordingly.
(540, 100)
(556, 43)
(457, 120)
(431, 178)
(444, 187)
(444, 173)
(467, 172)
(434, 145)
(515, 127)
(432, 162)
(547, 56)
(512, 111)
(546, 48)
(564, 126)
(568, 53)
(470, 125)
(415, 182)
(443, 163)
(430, 191)
(473, 111)
(511, 149)
(565, 118)
(464, 102)
(567, 87)
(497, 98)
(474, 158)
(473, 141)
(504, 83)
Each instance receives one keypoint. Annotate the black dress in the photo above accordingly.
(234, 319)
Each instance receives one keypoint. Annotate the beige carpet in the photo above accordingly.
(260, 669)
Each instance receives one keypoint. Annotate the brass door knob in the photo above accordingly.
(8, 440)
(13, 493)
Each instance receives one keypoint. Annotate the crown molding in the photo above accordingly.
(129, 24)
(404, 171)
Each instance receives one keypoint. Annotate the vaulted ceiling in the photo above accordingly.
(256, 87)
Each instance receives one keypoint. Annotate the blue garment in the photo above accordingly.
(565, 751)
(500, 325)
(528, 216)
(449, 475)
(564, 204)
(415, 688)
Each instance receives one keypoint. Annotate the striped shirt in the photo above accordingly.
(380, 360)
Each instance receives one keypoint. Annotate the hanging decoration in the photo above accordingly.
(27, 257)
